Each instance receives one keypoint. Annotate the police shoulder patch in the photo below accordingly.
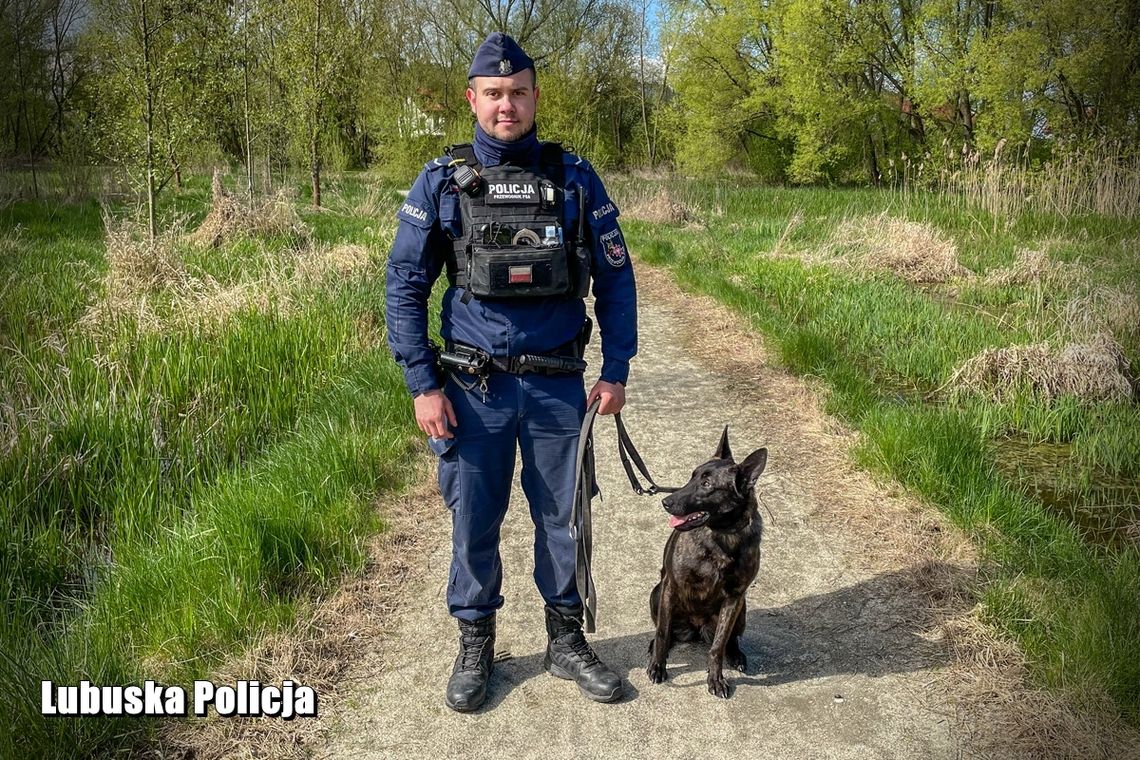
(416, 213)
(604, 211)
(613, 246)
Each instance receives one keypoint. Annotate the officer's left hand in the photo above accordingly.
(611, 394)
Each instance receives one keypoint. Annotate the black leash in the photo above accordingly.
(581, 527)
(626, 451)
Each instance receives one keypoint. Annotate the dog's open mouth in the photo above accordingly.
(688, 522)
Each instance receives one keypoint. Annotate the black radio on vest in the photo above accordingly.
(515, 243)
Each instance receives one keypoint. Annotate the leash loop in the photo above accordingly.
(581, 528)
(627, 452)
(581, 525)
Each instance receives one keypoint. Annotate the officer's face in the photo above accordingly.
(504, 106)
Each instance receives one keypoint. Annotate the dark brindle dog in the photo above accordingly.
(710, 559)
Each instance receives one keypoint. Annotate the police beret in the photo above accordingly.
(499, 56)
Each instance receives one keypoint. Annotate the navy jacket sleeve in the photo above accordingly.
(615, 293)
(416, 260)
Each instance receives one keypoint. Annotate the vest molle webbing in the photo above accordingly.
(514, 242)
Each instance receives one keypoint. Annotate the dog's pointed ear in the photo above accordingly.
(722, 449)
(750, 469)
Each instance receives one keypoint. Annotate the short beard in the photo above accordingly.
(517, 137)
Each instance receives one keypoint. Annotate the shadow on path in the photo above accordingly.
(871, 628)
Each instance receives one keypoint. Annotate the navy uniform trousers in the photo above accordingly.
(542, 416)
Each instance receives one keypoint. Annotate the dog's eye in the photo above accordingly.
(706, 484)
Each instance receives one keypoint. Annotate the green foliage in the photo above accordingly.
(1060, 68)
(854, 90)
(170, 494)
(812, 91)
(724, 111)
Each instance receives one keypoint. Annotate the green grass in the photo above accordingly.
(1066, 577)
(171, 494)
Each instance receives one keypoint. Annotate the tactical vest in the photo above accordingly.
(515, 243)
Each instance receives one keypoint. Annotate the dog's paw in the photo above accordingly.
(737, 660)
(656, 672)
(718, 686)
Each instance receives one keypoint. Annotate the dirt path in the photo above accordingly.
(845, 636)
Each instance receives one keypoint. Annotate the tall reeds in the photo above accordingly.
(1103, 179)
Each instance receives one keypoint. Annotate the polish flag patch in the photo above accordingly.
(520, 274)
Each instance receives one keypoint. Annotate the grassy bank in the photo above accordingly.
(924, 319)
(192, 437)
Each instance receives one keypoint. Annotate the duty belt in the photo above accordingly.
(457, 357)
(474, 361)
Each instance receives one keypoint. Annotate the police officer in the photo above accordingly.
(504, 218)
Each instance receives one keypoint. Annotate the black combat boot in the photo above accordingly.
(569, 656)
(467, 687)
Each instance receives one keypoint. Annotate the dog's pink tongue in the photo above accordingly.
(675, 521)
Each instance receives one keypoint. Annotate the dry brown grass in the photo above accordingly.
(1093, 370)
(344, 261)
(1102, 179)
(660, 207)
(1104, 308)
(150, 286)
(1034, 267)
(915, 251)
(230, 219)
(9, 236)
(794, 222)
(375, 203)
(331, 640)
(14, 405)
(1002, 715)
(137, 271)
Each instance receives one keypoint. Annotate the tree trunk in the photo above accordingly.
(315, 168)
(644, 95)
(315, 124)
(245, 97)
(176, 165)
(57, 81)
(966, 112)
(872, 158)
(24, 97)
(148, 81)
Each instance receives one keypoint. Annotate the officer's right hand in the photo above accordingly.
(433, 414)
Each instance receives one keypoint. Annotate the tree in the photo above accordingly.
(1066, 69)
(313, 50)
(727, 83)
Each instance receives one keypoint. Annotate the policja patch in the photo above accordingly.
(414, 211)
(613, 246)
(512, 192)
(418, 213)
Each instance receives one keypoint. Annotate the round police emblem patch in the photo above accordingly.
(614, 248)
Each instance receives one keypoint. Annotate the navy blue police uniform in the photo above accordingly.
(541, 413)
